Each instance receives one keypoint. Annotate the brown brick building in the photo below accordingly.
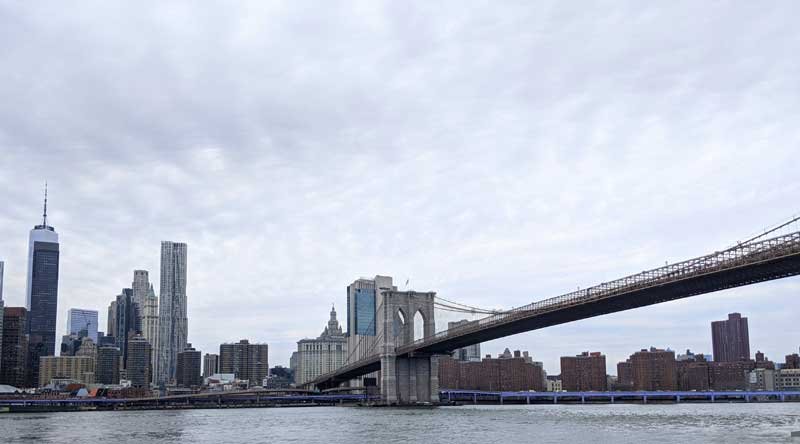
(501, 374)
(731, 339)
(585, 372)
(792, 361)
(693, 374)
(653, 370)
(729, 375)
(624, 376)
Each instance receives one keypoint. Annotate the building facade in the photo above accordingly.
(76, 368)
(172, 317)
(15, 347)
(79, 319)
(210, 364)
(729, 375)
(654, 370)
(128, 322)
(514, 373)
(107, 365)
(42, 295)
(584, 372)
(2, 266)
(188, 371)
(788, 379)
(468, 353)
(246, 361)
(145, 297)
(731, 339)
(321, 355)
(138, 369)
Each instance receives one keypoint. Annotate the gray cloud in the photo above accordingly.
(495, 154)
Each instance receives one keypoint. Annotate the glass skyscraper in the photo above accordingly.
(79, 319)
(42, 294)
(364, 308)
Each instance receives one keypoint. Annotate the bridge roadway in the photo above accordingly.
(743, 264)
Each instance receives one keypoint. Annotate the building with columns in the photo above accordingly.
(324, 354)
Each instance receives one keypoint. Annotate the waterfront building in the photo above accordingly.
(321, 355)
(172, 317)
(761, 379)
(210, 364)
(584, 372)
(788, 379)
(41, 294)
(505, 373)
(79, 319)
(128, 322)
(468, 353)
(653, 370)
(624, 376)
(554, 383)
(15, 347)
(731, 339)
(107, 365)
(188, 370)
(2, 266)
(248, 362)
(76, 368)
(145, 297)
(792, 361)
(138, 370)
(729, 375)
(693, 373)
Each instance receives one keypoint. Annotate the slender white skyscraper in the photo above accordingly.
(172, 320)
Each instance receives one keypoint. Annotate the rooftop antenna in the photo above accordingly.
(44, 214)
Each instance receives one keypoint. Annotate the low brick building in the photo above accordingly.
(506, 374)
(584, 372)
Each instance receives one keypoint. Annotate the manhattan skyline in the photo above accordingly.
(497, 180)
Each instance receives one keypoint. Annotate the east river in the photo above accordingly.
(714, 423)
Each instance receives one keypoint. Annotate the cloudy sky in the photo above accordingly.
(495, 152)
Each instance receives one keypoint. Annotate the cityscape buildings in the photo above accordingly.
(653, 370)
(363, 299)
(188, 370)
(14, 361)
(145, 297)
(468, 353)
(210, 364)
(584, 372)
(246, 361)
(76, 368)
(321, 355)
(79, 319)
(731, 339)
(41, 294)
(128, 322)
(139, 358)
(172, 317)
(107, 365)
(507, 372)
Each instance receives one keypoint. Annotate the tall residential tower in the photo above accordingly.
(172, 319)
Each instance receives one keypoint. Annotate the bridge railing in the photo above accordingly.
(733, 257)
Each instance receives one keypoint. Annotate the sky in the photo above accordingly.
(497, 153)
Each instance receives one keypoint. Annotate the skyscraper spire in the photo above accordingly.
(44, 214)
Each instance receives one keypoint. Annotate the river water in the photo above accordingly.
(714, 423)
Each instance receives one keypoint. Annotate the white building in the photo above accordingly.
(788, 379)
(328, 352)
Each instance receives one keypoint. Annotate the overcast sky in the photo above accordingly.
(494, 152)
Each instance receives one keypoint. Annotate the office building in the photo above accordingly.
(246, 361)
(321, 355)
(788, 379)
(41, 294)
(15, 347)
(468, 353)
(172, 319)
(111, 324)
(79, 319)
(145, 297)
(107, 365)
(364, 296)
(138, 369)
(210, 364)
(584, 372)
(653, 370)
(128, 322)
(731, 339)
(188, 370)
(75, 368)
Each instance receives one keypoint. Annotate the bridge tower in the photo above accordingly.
(411, 378)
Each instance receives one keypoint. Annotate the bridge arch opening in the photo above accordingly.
(399, 322)
(419, 325)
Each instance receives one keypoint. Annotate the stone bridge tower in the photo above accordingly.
(408, 378)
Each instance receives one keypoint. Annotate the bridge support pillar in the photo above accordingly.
(409, 380)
